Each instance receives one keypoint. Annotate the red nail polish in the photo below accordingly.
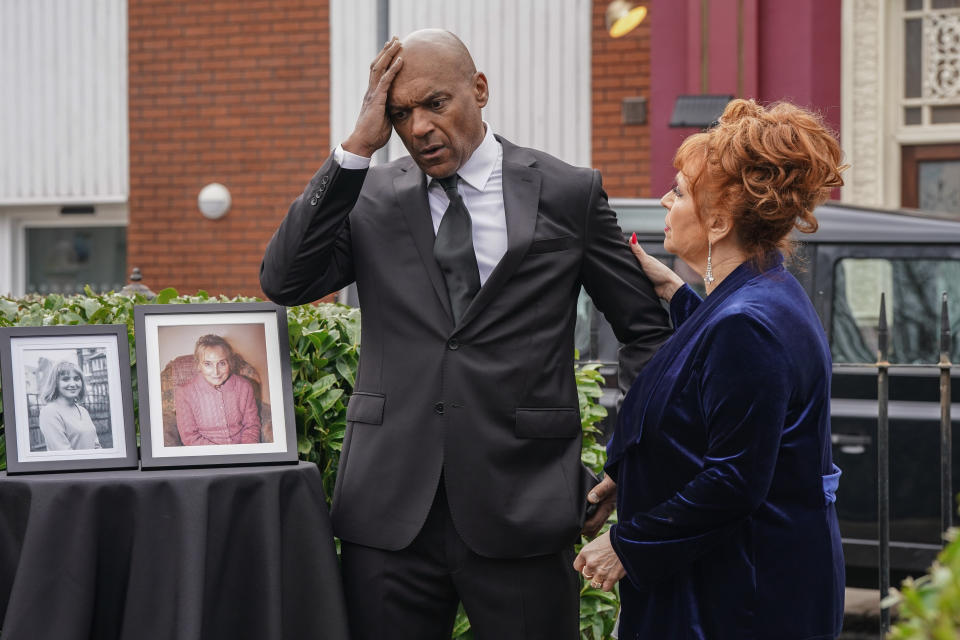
(633, 238)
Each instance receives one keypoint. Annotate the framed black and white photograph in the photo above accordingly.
(214, 385)
(67, 398)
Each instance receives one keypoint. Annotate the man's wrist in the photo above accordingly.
(357, 148)
(349, 160)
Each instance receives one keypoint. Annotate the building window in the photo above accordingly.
(65, 259)
(931, 177)
(931, 63)
(929, 106)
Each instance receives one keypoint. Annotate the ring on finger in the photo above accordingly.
(596, 584)
(586, 575)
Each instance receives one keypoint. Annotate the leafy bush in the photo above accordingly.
(929, 607)
(598, 609)
(324, 349)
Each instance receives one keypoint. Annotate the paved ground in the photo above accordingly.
(861, 620)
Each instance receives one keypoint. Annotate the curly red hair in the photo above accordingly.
(768, 168)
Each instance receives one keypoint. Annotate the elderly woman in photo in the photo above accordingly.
(64, 422)
(216, 406)
(721, 459)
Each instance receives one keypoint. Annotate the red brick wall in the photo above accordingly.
(621, 69)
(229, 92)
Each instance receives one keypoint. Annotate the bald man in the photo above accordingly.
(460, 476)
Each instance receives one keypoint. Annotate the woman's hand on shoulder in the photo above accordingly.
(665, 281)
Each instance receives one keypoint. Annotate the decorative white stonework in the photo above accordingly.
(941, 79)
(863, 88)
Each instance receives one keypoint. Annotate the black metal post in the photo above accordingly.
(883, 462)
(946, 432)
(383, 34)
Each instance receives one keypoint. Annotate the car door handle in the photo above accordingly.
(851, 444)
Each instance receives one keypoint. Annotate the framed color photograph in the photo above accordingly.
(214, 385)
(67, 398)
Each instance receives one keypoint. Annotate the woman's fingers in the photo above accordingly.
(665, 281)
(579, 562)
(599, 563)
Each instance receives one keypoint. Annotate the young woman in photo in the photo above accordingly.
(64, 422)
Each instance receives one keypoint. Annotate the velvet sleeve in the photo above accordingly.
(743, 383)
(684, 302)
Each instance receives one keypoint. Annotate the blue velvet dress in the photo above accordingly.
(725, 480)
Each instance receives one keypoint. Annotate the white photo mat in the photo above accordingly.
(153, 322)
(26, 351)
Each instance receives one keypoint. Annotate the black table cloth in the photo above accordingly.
(187, 554)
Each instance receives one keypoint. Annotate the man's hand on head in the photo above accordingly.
(373, 128)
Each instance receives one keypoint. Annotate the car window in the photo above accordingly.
(913, 292)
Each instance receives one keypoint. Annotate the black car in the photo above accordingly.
(857, 253)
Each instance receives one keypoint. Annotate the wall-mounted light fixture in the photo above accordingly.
(623, 16)
(214, 201)
(701, 111)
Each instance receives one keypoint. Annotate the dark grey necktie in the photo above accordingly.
(453, 250)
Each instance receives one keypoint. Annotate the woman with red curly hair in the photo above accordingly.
(721, 460)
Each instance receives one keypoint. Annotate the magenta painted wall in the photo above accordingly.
(675, 56)
(800, 55)
(790, 51)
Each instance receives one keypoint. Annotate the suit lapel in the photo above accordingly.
(410, 187)
(521, 200)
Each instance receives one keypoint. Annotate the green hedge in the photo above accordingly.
(929, 607)
(324, 348)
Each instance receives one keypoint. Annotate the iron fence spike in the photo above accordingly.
(882, 331)
(944, 326)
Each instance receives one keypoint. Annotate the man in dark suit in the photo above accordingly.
(460, 477)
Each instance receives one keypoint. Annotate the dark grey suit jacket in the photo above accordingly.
(490, 402)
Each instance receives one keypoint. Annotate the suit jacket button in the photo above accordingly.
(438, 408)
(453, 344)
(313, 201)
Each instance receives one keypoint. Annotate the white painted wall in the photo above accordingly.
(535, 54)
(63, 118)
(353, 44)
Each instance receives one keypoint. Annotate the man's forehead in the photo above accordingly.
(415, 93)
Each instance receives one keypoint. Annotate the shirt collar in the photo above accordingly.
(478, 168)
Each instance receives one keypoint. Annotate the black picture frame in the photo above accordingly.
(187, 421)
(30, 359)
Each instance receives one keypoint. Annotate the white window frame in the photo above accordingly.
(872, 129)
(15, 220)
(917, 134)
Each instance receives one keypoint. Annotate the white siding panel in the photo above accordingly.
(353, 45)
(536, 56)
(535, 53)
(63, 121)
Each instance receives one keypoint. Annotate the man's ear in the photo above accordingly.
(480, 89)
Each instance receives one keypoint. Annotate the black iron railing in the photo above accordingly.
(882, 366)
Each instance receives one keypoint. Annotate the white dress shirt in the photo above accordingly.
(480, 186)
